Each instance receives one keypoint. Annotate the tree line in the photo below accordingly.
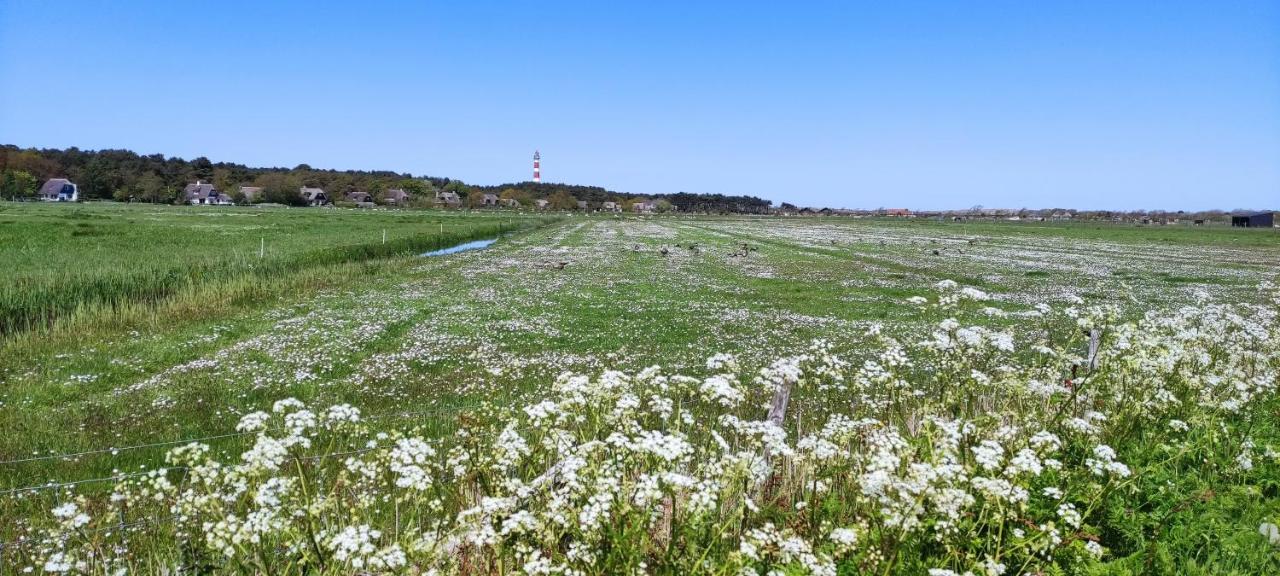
(125, 175)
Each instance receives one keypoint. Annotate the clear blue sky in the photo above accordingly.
(919, 104)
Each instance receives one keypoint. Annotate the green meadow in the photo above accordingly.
(131, 330)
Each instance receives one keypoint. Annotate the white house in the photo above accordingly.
(204, 193)
(59, 190)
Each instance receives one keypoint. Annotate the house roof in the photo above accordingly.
(199, 189)
(54, 186)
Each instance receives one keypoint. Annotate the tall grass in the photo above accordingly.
(38, 303)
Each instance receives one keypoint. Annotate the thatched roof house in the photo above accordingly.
(204, 193)
(59, 190)
(314, 196)
(396, 197)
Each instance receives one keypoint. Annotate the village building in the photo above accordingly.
(611, 207)
(395, 197)
(360, 197)
(204, 193)
(59, 190)
(251, 193)
(448, 198)
(643, 206)
(582, 204)
(489, 199)
(510, 202)
(542, 203)
(898, 212)
(314, 196)
(1254, 220)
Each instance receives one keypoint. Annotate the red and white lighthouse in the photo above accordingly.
(537, 167)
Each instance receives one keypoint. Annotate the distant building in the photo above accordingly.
(59, 190)
(489, 199)
(1255, 220)
(251, 193)
(314, 196)
(582, 204)
(450, 199)
(611, 207)
(360, 197)
(643, 206)
(899, 212)
(542, 203)
(396, 197)
(510, 202)
(204, 193)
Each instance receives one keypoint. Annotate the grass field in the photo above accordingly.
(62, 260)
(934, 433)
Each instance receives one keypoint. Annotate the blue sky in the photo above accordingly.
(918, 104)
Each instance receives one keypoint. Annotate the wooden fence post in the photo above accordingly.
(1095, 340)
(777, 414)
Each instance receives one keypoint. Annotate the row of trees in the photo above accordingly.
(126, 175)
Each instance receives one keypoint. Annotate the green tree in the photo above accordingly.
(561, 200)
(518, 195)
(150, 187)
(98, 179)
(417, 188)
(18, 184)
(281, 188)
(202, 169)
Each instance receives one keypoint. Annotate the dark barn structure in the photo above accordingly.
(1255, 220)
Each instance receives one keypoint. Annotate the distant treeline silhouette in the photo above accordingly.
(127, 175)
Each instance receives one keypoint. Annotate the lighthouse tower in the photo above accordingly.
(537, 167)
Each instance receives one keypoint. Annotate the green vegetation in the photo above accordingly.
(127, 176)
(83, 260)
(451, 350)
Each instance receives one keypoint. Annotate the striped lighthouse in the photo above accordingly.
(537, 167)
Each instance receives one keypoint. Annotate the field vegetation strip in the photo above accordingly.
(619, 369)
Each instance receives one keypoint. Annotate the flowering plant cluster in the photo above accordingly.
(956, 450)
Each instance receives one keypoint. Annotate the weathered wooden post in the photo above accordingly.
(1095, 340)
(777, 413)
